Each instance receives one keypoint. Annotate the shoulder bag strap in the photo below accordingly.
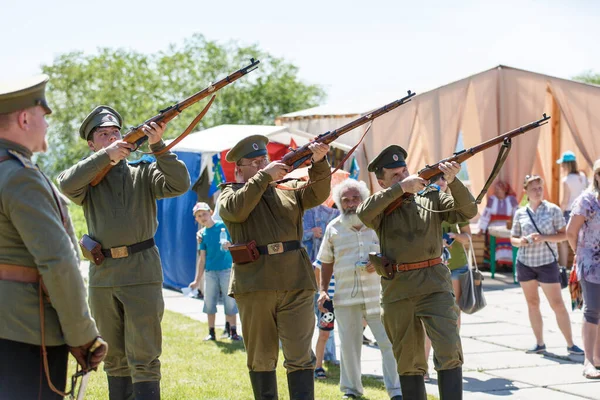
(537, 229)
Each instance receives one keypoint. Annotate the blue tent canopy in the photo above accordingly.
(176, 234)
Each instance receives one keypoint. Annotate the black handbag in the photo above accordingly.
(564, 279)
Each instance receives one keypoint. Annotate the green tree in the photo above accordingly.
(138, 85)
(588, 77)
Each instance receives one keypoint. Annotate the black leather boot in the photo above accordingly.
(450, 384)
(120, 388)
(413, 387)
(301, 384)
(149, 390)
(264, 385)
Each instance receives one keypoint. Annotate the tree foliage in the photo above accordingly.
(588, 77)
(138, 85)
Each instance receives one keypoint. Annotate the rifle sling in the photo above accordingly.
(502, 155)
(187, 131)
(340, 165)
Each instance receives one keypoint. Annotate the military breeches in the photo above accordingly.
(404, 320)
(270, 316)
(128, 318)
(22, 375)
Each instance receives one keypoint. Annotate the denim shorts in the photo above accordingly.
(548, 273)
(216, 282)
(455, 273)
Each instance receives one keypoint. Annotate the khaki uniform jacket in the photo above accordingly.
(32, 235)
(411, 234)
(259, 211)
(121, 210)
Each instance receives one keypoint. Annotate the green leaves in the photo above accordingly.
(138, 85)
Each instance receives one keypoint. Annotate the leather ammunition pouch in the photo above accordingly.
(91, 250)
(383, 266)
(244, 253)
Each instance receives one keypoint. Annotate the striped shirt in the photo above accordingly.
(549, 219)
(347, 248)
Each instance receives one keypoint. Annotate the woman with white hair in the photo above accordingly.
(583, 234)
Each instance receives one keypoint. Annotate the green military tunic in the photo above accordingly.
(32, 235)
(126, 293)
(411, 234)
(423, 296)
(275, 294)
(259, 211)
(121, 210)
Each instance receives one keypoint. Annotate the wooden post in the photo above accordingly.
(555, 151)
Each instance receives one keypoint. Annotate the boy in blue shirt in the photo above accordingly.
(215, 259)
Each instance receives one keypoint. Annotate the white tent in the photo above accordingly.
(214, 140)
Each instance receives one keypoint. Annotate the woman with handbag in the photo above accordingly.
(536, 230)
(583, 233)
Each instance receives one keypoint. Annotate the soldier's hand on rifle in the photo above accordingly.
(154, 131)
(277, 170)
(90, 355)
(119, 150)
(323, 297)
(413, 184)
(319, 151)
(450, 170)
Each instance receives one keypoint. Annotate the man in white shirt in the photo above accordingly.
(345, 252)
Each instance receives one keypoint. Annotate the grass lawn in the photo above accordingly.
(197, 370)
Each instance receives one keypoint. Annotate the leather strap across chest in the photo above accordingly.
(416, 265)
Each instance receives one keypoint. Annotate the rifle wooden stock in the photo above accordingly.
(296, 158)
(433, 173)
(137, 136)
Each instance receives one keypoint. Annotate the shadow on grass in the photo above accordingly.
(333, 379)
(229, 347)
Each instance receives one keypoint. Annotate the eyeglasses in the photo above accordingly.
(259, 162)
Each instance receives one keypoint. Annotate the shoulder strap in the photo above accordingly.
(537, 229)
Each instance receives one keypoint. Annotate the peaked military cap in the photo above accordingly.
(250, 147)
(392, 156)
(24, 93)
(100, 116)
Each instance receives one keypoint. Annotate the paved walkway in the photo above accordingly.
(494, 341)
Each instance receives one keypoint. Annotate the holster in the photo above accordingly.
(91, 249)
(382, 265)
(244, 253)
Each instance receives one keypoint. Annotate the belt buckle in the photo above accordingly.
(119, 252)
(275, 248)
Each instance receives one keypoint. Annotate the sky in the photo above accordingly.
(358, 51)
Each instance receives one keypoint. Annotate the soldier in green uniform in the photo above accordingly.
(42, 295)
(274, 292)
(126, 289)
(420, 292)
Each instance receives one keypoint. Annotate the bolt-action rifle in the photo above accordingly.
(432, 173)
(137, 136)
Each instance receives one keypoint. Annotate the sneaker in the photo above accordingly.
(320, 374)
(349, 396)
(210, 337)
(366, 341)
(537, 349)
(200, 296)
(235, 337)
(575, 350)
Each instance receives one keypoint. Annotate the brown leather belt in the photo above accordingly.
(18, 273)
(416, 265)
